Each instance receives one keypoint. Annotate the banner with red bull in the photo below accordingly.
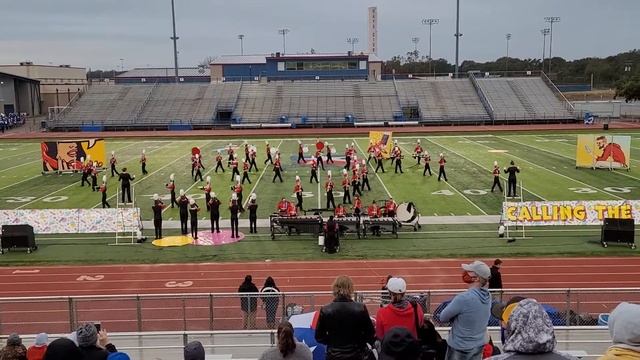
(381, 140)
(579, 212)
(69, 155)
(603, 151)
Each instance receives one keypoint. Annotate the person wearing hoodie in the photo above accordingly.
(399, 313)
(62, 349)
(94, 345)
(469, 314)
(625, 333)
(529, 334)
(249, 302)
(14, 350)
(36, 351)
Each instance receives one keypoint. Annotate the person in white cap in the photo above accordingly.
(496, 177)
(183, 205)
(301, 153)
(214, 212)
(113, 161)
(253, 214)
(157, 208)
(193, 214)
(143, 162)
(245, 172)
(253, 154)
(469, 314)
(400, 312)
(103, 191)
(234, 209)
(237, 189)
(427, 166)
(364, 175)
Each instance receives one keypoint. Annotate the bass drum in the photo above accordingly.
(407, 214)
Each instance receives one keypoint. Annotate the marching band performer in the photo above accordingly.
(297, 189)
(193, 214)
(143, 162)
(238, 190)
(268, 149)
(511, 181)
(194, 161)
(198, 167)
(391, 207)
(314, 171)
(252, 158)
(329, 159)
(319, 160)
(347, 157)
(355, 181)
(157, 208)
(183, 205)
(247, 156)
(207, 192)
(253, 214)
(427, 167)
(417, 151)
(234, 209)
(230, 153)
(394, 151)
(340, 211)
(234, 167)
(171, 186)
(277, 168)
(328, 187)
(245, 172)
(346, 198)
(441, 172)
(398, 157)
(103, 190)
(219, 162)
(371, 150)
(373, 211)
(283, 207)
(85, 172)
(214, 212)
(496, 177)
(94, 176)
(292, 211)
(113, 161)
(357, 206)
(379, 159)
(301, 153)
(364, 174)
(125, 184)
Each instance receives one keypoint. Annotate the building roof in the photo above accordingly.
(165, 72)
(262, 59)
(19, 77)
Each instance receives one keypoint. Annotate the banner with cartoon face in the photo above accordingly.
(68, 155)
(603, 151)
(382, 140)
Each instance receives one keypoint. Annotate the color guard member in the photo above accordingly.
(193, 214)
(219, 162)
(183, 205)
(496, 177)
(157, 208)
(214, 212)
(328, 187)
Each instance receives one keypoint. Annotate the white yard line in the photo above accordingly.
(453, 188)
(378, 176)
(483, 167)
(553, 172)
(23, 164)
(255, 184)
(319, 193)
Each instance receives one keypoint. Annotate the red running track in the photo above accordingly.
(162, 314)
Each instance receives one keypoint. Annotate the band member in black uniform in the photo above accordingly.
(329, 159)
(328, 187)
(207, 192)
(234, 209)
(246, 153)
(441, 172)
(193, 214)
(231, 153)
(125, 185)
(183, 205)
(245, 172)
(94, 176)
(399, 163)
(314, 171)
(301, 153)
(297, 189)
(496, 177)
(103, 190)
(113, 161)
(194, 161)
(511, 184)
(171, 186)
(277, 168)
(268, 149)
(364, 174)
(319, 161)
(234, 168)
(379, 159)
(198, 167)
(143, 162)
(157, 208)
(219, 162)
(394, 151)
(252, 158)
(214, 212)
(346, 198)
(253, 214)
(355, 181)
(427, 166)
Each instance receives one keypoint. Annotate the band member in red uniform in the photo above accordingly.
(268, 150)
(379, 159)
(328, 151)
(219, 162)
(252, 158)
(113, 161)
(319, 160)
(328, 188)
(283, 207)
(103, 190)
(314, 171)
(297, 189)
(171, 186)
(194, 161)
(198, 167)
(207, 191)
(230, 153)
(355, 181)
(234, 168)
(371, 150)
(237, 189)
(157, 208)
(340, 211)
(511, 180)
(292, 211)
(247, 157)
(391, 207)
(496, 177)
(398, 157)
(346, 198)
(301, 153)
(277, 168)
(418, 151)
(373, 211)
(245, 172)
(610, 150)
(347, 157)
(253, 213)
(427, 167)
(364, 174)
(143, 162)
(85, 168)
(357, 206)
(94, 176)
(394, 150)
(214, 212)
(234, 210)
(441, 172)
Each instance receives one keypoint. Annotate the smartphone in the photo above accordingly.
(98, 326)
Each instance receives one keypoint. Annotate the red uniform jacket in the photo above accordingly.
(234, 164)
(373, 211)
(328, 186)
(340, 211)
(345, 183)
(442, 161)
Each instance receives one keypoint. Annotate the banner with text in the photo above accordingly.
(382, 140)
(67, 155)
(603, 151)
(73, 221)
(577, 212)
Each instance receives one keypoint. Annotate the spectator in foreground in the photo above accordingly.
(399, 344)
(36, 351)
(270, 301)
(495, 282)
(344, 325)
(385, 297)
(62, 349)
(624, 328)
(400, 313)
(14, 350)
(529, 334)
(118, 356)
(194, 351)
(469, 314)
(288, 348)
(248, 303)
(94, 345)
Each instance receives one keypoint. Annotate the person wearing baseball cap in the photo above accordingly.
(400, 312)
(469, 314)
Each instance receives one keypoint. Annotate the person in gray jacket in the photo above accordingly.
(469, 314)
(288, 348)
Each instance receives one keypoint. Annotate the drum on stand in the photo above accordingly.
(407, 214)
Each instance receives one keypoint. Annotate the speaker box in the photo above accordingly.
(618, 230)
(17, 236)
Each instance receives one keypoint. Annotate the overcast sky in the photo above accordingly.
(98, 33)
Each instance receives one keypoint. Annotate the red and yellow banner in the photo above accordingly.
(568, 212)
(67, 155)
(382, 140)
(603, 151)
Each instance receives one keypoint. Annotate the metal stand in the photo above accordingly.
(126, 233)
(521, 198)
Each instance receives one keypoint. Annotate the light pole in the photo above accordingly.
(284, 33)
(544, 33)
(551, 20)
(175, 42)
(121, 64)
(430, 23)
(241, 38)
(415, 41)
(353, 41)
(457, 35)
(506, 66)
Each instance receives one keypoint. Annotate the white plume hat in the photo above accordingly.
(299, 142)
(234, 196)
(495, 163)
(418, 141)
(156, 197)
(266, 142)
(253, 196)
(238, 178)
(363, 162)
(346, 146)
(213, 195)
(172, 176)
(144, 151)
(113, 152)
(104, 178)
(192, 201)
(82, 159)
(344, 171)
(181, 192)
(329, 173)
(326, 143)
(441, 155)
(208, 179)
(95, 163)
(355, 157)
(297, 178)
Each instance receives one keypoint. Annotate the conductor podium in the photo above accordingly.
(617, 230)
(17, 236)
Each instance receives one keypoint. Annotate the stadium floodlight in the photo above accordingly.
(544, 33)
(415, 41)
(506, 66)
(284, 33)
(458, 35)
(241, 38)
(175, 42)
(353, 41)
(551, 20)
(430, 23)
(122, 65)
